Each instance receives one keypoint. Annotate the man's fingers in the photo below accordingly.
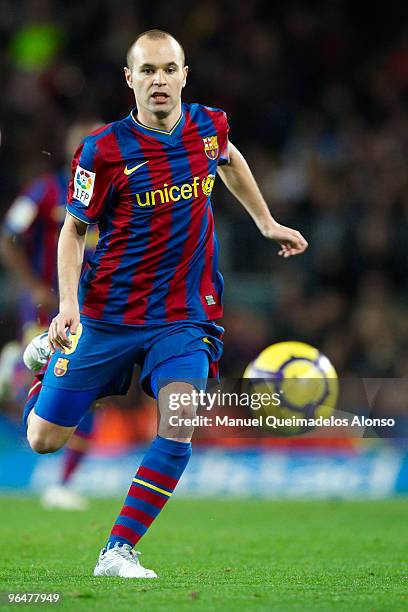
(298, 244)
(60, 328)
(74, 327)
(61, 337)
(59, 346)
(52, 332)
(59, 343)
(303, 243)
(55, 345)
(294, 246)
(52, 346)
(57, 336)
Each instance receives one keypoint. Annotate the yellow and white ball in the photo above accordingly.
(304, 378)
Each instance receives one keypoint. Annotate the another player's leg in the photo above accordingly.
(61, 495)
(77, 447)
(159, 472)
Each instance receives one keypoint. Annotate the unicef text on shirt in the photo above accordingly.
(174, 193)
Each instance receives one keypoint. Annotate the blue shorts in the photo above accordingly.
(71, 408)
(103, 355)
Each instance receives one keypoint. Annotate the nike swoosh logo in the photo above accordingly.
(128, 171)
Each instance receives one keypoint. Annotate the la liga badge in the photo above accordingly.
(84, 181)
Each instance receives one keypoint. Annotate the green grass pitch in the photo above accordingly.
(216, 555)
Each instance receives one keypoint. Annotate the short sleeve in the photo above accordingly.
(90, 187)
(223, 131)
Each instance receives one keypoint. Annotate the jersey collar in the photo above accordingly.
(169, 136)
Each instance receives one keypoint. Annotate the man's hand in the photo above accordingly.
(66, 319)
(239, 180)
(290, 240)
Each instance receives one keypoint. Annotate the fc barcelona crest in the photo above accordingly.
(61, 366)
(211, 147)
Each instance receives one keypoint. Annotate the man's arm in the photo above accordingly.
(71, 246)
(240, 181)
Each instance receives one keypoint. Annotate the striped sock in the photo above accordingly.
(153, 485)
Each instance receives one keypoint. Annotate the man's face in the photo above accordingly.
(157, 75)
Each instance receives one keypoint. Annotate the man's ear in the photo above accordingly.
(185, 70)
(128, 77)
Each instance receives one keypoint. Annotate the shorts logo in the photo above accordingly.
(211, 147)
(210, 300)
(207, 341)
(61, 366)
(84, 182)
(74, 340)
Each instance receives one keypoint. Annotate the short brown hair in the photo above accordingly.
(153, 35)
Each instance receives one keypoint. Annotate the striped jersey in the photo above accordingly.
(36, 217)
(149, 191)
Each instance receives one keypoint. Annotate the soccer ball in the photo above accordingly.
(303, 379)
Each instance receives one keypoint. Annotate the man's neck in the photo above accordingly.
(159, 123)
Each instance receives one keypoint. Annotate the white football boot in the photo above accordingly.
(121, 561)
(60, 497)
(37, 352)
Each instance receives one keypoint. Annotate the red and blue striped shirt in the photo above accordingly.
(36, 217)
(150, 193)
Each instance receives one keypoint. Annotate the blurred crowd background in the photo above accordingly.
(316, 98)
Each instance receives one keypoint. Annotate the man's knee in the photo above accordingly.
(178, 398)
(42, 444)
(177, 410)
(45, 437)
